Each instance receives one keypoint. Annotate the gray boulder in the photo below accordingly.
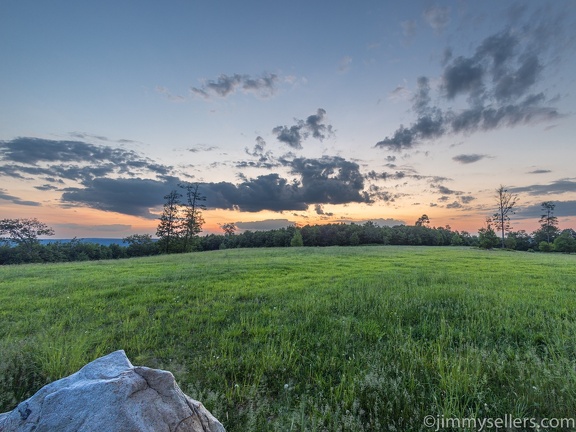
(110, 394)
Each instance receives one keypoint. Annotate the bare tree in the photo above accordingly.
(505, 202)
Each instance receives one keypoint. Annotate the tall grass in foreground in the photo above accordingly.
(305, 339)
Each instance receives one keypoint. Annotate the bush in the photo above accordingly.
(544, 246)
(565, 243)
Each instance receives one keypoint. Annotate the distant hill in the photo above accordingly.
(100, 241)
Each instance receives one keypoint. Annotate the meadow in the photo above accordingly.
(310, 339)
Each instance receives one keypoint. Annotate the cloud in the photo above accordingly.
(85, 136)
(454, 205)
(437, 17)
(130, 196)
(226, 85)
(445, 191)
(289, 135)
(498, 82)
(562, 209)
(15, 200)
(319, 209)
(201, 148)
(71, 160)
(265, 157)
(312, 126)
(540, 171)
(556, 187)
(168, 94)
(46, 187)
(467, 199)
(327, 180)
(345, 64)
(409, 30)
(469, 158)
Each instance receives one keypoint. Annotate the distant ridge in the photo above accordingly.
(100, 241)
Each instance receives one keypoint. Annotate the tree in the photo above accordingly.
(23, 232)
(169, 228)
(140, 245)
(228, 228)
(566, 242)
(297, 240)
(192, 214)
(487, 237)
(423, 220)
(548, 222)
(505, 202)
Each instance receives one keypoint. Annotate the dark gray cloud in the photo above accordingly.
(467, 199)
(289, 135)
(71, 160)
(131, 196)
(499, 84)
(319, 209)
(556, 187)
(539, 171)
(266, 192)
(313, 126)
(328, 180)
(444, 190)
(46, 187)
(226, 85)
(15, 200)
(562, 209)
(469, 158)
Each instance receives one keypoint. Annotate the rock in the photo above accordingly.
(110, 394)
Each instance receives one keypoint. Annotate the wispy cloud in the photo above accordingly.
(498, 82)
(345, 64)
(556, 187)
(437, 17)
(469, 158)
(226, 85)
(4, 196)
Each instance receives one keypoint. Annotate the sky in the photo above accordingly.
(300, 112)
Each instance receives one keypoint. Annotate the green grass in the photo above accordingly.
(347, 339)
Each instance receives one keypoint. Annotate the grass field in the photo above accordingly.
(310, 339)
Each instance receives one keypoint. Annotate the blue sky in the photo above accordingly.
(300, 112)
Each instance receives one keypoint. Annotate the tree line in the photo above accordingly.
(181, 222)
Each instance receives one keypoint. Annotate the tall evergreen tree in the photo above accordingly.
(170, 227)
(192, 213)
(549, 222)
